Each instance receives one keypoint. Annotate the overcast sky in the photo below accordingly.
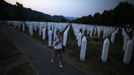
(70, 8)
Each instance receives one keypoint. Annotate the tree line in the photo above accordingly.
(121, 15)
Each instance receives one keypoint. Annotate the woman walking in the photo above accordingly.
(58, 48)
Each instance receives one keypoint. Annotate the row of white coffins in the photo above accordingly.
(82, 41)
(79, 31)
(127, 46)
(92, 29)
(106, 46)
(52, 27)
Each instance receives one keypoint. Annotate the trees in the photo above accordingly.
(3, 11)
(122, 14)
(1, 1)
(19, 11)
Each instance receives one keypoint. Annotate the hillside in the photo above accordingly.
(19, 12)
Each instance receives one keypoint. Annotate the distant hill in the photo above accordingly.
(71, 18)
(59, 18)
(14, 12)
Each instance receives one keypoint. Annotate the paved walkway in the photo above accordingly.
(39, 56)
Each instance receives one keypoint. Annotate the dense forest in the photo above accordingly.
(121, 15)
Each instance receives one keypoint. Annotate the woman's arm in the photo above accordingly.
(56, 41)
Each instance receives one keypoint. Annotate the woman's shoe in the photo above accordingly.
(60, 65)
(52, 61)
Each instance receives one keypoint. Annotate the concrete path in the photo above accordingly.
(39, 56)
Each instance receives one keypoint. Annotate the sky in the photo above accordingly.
(69, 8)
